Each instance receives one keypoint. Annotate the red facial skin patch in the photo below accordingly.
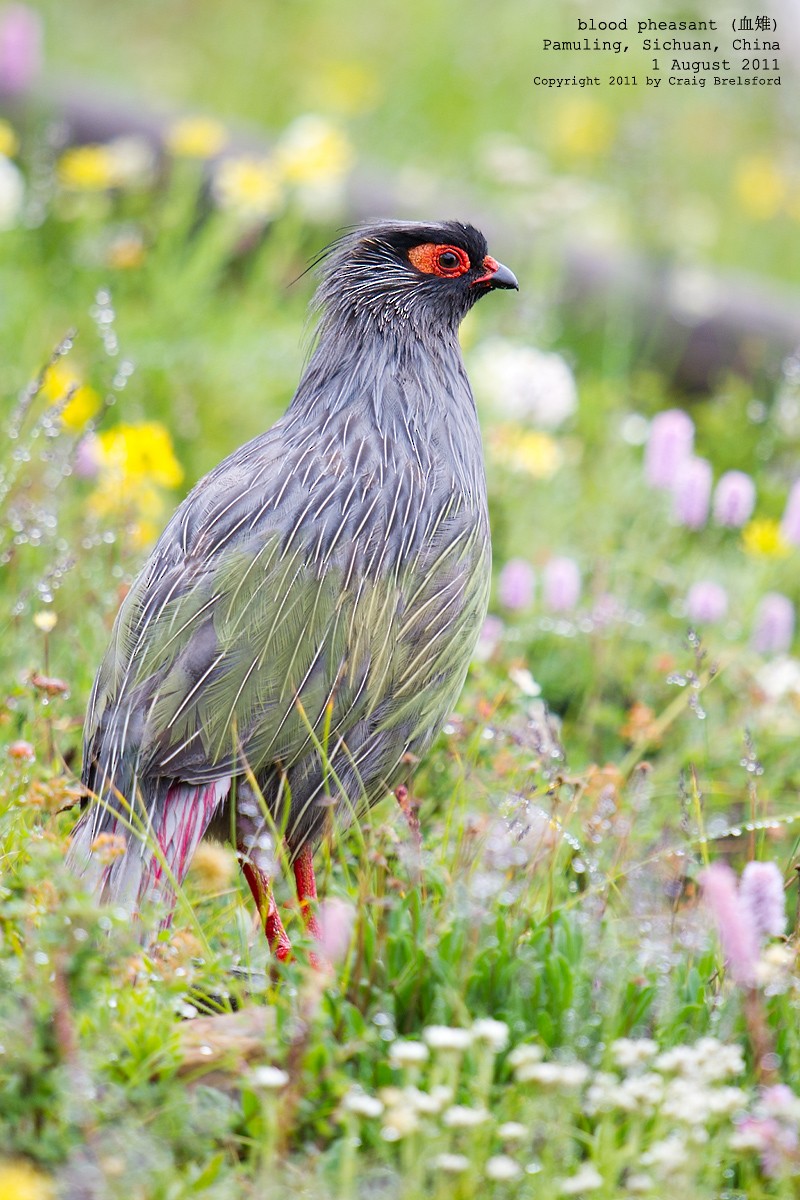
(428, 258)
(489, 265)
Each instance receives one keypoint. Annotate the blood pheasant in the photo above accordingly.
(304, 624)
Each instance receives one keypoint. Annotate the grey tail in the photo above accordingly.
(129, 862)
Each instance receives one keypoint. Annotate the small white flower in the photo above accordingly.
(399, 1123)
(774, 967)
(707, 1061)
(686, 1100)
(639, 1185)
(459, 1116)
(512, 1131)
(428, 1103)
(550, 1074)
(586, 1179)
(494, 1033)
(667, 1156)
(522, 383)
(269, 1078)
(632, 1052)
(692, 1102)
(452, 1164)
(716, 1060)
(361, 1104)
(522, 1056)
(522, 677)
(726, 1100)
(407, 1054)
(501, 1167)
(445, 1037)
(675, 1061)
(134, 160)
(640, 1093)
(12, 193)
(779, 677)
(601, 1096)
(750, 1137)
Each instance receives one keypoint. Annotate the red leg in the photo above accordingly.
(307, 889)
(261, 887)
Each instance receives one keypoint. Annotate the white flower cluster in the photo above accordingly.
(679, 1083)
(523, 384)
(705, 1061)
(684, 1094)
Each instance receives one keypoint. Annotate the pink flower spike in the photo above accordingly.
(561, 584)
(336, 920)
(790, 525)
(734, 499)
(773, 628)
(20, 48)
(691, 492)
(87, 457)
(669, 443)
(489, 638)
(763, 896)
(706, 603)
(737, 931)
(515, 585)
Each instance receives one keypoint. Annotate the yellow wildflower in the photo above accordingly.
(135, 463)
(583, 128)
(108, 846)
(139, 452)
(213, 867)
(9, 143)
(138, 502)
(525, 450)
(760, 187)
(762, 538)
(196, 137)
(84, 402)
(45, 621)
(312, 150)
(348, 87)
(250, 187)
(87, 168)
(21, 1181)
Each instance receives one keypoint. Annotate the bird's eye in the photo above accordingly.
(445, 261)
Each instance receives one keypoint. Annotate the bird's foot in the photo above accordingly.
(260, 885)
